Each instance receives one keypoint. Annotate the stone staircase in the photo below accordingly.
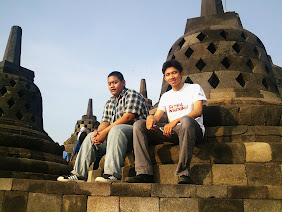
(236, 169)
(39, 195)
(237, 155)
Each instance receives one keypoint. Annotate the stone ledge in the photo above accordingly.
(141, 189)
(81, 197)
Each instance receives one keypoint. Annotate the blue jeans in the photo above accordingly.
(76, 148)
(116, 143)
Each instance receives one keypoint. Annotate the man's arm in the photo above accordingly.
(105, 129)
(197, 112)
(153, 119)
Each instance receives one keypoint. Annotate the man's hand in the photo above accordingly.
(150, 122)
(168, 128)
(99, 137)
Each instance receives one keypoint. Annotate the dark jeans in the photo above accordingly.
(187, 133)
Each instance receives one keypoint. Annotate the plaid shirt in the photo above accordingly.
(129, 101)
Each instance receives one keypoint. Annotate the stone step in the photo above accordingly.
(39, 195)
(243, 133)
(251, 174)
(23, 165)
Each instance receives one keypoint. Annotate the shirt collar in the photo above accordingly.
(113, 98)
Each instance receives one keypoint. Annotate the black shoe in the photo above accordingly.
(185, 180)
(141, 178)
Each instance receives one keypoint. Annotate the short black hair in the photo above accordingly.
(117, 74)
(172, 63)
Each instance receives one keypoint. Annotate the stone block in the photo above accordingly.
(276, 149)
(220, 205)
(274, 192)
(92, 174)
(15, 201)
(201, 174)
(211, 191)
(229, 153)
(178, 204)
(128, 204)
(263, 174)
(93, 189)
(229, 174)
(165, 174)
(166, 153)
(127, 171)
(247, 192)
(44, 202)
(6, 184)
(134, 189)
(74, 203)
(2, 194)
(109, 204)
(56, 187)
(258, 152)
(262, 205)
(167, 190)
(35, 186)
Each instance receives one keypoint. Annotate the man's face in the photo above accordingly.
(115, 85)
(173, 77)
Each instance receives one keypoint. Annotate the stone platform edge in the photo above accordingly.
(39, 195)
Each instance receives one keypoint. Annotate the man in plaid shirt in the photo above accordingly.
(113, 135)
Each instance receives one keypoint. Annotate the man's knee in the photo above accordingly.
(139, 124)
(187, 122)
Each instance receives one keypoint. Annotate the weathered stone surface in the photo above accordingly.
(262, 205)
(209, 191)
(44, 202)
(274, 192)
(258, 152)
(110, 204)
(261, 174)
(127, 172)
(276, 149)
(6, 184)
(165, 174)
(128, 204)
(2, 193)
(13, 48)
(93, 174)
(15, 201)
(74, 203)
(35, 186)
(93, 189)
(166, 190)
(229, 174)
(229, 153)
(60, 187)
(247, 192)
(201, 174)
(220, 205)
(178, 204)
(138, 189)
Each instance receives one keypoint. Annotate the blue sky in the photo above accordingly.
(73, 45)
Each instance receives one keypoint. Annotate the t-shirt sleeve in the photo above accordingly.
(161, 105)
(134, 103)
(199, 94)
(106, 116)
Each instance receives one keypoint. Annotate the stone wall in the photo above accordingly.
(37, 195)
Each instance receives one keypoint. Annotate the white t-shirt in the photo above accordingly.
(179, 103)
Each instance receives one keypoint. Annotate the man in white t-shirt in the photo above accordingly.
(183, 105)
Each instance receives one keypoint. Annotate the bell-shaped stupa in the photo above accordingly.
(26, 149)
(89, 121)
(232, 66)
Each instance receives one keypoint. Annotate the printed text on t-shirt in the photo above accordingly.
(177, 107)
